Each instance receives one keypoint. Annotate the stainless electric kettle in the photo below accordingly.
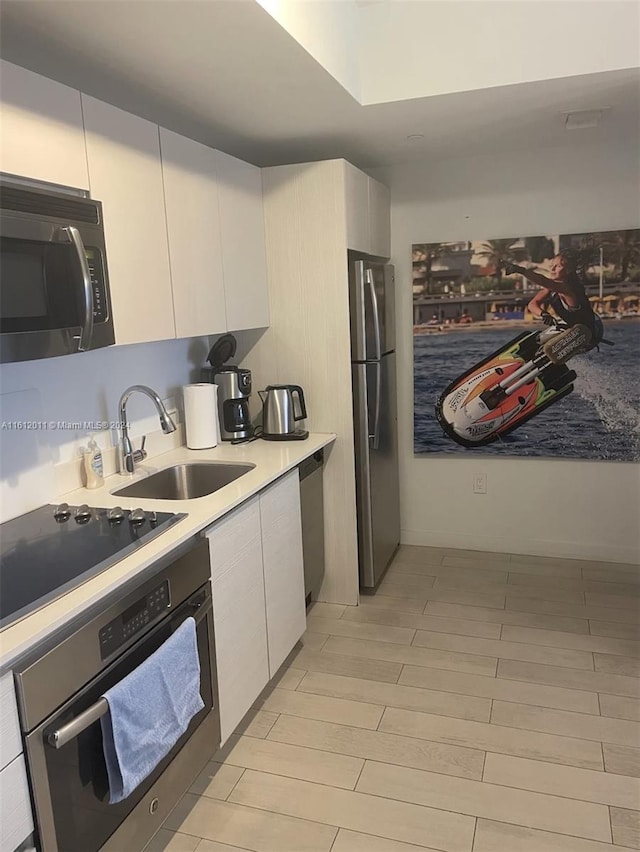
(279, 415)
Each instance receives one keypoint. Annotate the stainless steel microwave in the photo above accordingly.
(54, 287)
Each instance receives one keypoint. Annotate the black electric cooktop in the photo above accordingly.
(54, 549)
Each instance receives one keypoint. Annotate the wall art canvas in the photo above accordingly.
(528, 346)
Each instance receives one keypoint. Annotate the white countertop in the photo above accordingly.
(271, 459)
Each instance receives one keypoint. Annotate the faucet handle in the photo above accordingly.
(141, 454)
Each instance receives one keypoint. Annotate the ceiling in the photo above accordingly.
(226, 73)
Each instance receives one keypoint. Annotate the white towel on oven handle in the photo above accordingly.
(149, 710)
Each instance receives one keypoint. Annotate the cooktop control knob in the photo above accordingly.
(83, 514)
(115, 515)
(62, 512)
(137, 516)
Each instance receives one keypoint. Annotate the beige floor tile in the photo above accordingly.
(612, 573)
(287, 678)
(504, 650)
(454, 661)
(361, 630)
(501, 739)
(212, 846)
(623, 760)
(384, 747)
(551, 561)
(627, 590)
(415, 553)
(628, 666)
(356, 811)
(326, 709)
(569, 571)
(619, 707)
(171, 841)
(560, 639)
(394, 618)
(257, 723)
(480, 561)
(249, 828)
(217, 781)
(394, 695)
(522, 578)
(615, 630)
(313, 641)
(388, 602)
(401, 585)
(490, 687)
(478, 798)
(493, 600)
(571, 678)
(583, 784)
(502, 837)
(547, 592)
(337, 770)
(354, 841)
(600, 613)
(473, 577)
(326, 610)
(418, 569)
(320, 661)
(565, 723)
(608, 599)
(508, 616)
(625, 825)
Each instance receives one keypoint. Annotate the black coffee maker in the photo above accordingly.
(234, 390)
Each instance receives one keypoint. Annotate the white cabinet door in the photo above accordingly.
(10, 739)
(41, 132)
(357, 204)
(125, 173)
(235, 550)
(193, 227)
(17, 822)
(379, 218)
(283, 567)
(243, 245)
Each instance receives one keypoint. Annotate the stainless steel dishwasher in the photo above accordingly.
(311, 506)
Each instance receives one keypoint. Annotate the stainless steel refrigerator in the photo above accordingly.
(373, 366)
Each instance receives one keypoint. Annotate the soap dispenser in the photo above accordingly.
(92, 464)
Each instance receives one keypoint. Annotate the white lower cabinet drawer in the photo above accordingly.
(17, 820)
(10, 740)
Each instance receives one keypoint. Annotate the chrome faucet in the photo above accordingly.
(127, 456)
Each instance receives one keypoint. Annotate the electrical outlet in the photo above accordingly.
(480, 483)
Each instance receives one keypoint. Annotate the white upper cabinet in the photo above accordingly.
(41, 133)
(125, 174)
(243, 244)
(193, 227)
(368, 213)
(379, 218)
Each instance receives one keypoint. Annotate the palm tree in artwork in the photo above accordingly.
(427, 253)
(497, 252)
(622, 248)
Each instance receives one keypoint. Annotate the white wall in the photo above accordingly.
(549, 507)
(328, 30)
(418, 48)
(78, 388)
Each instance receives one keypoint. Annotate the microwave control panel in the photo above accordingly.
(134, 619)
(96, 270)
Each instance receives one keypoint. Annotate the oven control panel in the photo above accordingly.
(134, 619)
(96, 271)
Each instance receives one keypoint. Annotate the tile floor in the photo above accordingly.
(476, 703)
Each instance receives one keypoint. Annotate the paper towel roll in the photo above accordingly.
(201, 415)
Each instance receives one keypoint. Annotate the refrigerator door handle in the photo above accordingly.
(374, 436)
(376, 315)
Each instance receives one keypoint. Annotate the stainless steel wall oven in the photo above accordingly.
(59, 696)
(54, 286)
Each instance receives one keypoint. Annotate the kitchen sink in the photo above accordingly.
(185, 481)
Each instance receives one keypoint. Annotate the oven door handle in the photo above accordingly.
(200, 605)
(86, 332)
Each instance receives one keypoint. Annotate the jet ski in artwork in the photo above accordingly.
(514, 384)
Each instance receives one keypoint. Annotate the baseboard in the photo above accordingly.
(591, 551)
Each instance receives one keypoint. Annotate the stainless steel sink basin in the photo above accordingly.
(185, 481)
